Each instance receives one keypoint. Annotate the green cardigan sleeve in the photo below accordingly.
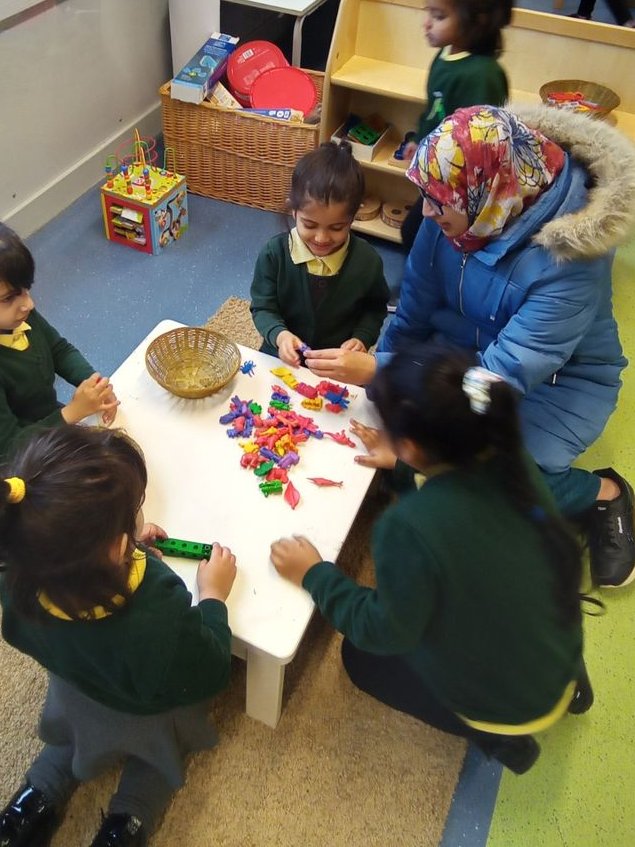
(392, 617)
(201, 661)
(265, 306)
(68, 361)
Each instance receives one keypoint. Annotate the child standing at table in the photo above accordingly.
(320, 285)
(475, 624)
(465, 71)
(131, 662)
(32, 353)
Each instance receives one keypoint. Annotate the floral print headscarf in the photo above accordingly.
(484, 161)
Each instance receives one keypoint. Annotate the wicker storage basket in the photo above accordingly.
(604, 99)
(229, 155)
(191, 361)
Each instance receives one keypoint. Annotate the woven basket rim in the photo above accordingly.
(579, 85)
(164, 91)
(183, 331)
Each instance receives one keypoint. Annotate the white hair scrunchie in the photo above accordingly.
(476, 387)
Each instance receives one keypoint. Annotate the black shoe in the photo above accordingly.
(581, 17)
(516, 752)
(29, 820)
(120, 831)
(582, 699)
(611, 541)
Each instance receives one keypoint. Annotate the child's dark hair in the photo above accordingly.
(420, 397)
(329, 174)
(480, 24)
(83, 487)
(17, 267)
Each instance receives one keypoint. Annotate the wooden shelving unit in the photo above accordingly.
(379, 60)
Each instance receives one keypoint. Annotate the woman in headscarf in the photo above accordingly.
(513, 260)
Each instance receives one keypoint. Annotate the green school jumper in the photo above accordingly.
(470, 80)
(27, 377)
(354, 305)
(465, 595)
(155, 653)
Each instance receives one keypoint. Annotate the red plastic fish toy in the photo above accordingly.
(319, 480)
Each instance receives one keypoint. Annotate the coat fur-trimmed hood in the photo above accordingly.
(608, 219)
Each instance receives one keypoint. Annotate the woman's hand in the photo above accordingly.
(288, 345)
(215, 576)
(380, 453)
(293, 557)
(341, 365)
(354, 345)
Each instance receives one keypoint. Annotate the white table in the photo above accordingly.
(298, 8)
(198, 491)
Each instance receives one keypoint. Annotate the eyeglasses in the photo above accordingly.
(436, 207)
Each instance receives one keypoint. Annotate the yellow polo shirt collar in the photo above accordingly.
(318, 265)
(137, 572)
(16, 340)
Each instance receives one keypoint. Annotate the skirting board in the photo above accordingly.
(66, 187)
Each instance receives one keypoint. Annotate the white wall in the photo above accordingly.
(76, 77)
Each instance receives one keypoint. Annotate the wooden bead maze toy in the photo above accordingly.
(144, 206)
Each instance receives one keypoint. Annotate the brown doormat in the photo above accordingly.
(340, 769)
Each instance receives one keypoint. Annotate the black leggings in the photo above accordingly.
(619, 9)
(390, 680)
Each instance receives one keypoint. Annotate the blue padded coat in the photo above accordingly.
(542, 321)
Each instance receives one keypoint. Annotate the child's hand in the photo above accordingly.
(149, 532)
(380, 453)
(108, 414)
(92, 395)
(216, 575)
(293, 557)
(288, 345)
(355, 345)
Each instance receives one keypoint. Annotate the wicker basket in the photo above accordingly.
(191, 361)
(602, 97)
(230, 155)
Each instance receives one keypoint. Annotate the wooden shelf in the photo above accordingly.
(388, 79)
(377, 228)
(383, 156)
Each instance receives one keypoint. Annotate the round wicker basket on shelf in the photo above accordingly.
(603, 100)
(191, 361)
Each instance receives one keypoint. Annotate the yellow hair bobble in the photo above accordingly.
(17, 489)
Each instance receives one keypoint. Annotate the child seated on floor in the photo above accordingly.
(32, 353)
(320, 286)
(131, 663)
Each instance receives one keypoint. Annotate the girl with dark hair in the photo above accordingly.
(320, 286)
(475, 624)
(31, 354)
(465, 71)
(131, 662)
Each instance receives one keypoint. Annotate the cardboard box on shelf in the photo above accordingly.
(362, 152)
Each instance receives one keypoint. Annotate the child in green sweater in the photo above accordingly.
(475, 624)
(131, 663)
(320, 286)
(465, 71)
(32, 352)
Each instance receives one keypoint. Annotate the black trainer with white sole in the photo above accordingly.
(611, 535)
